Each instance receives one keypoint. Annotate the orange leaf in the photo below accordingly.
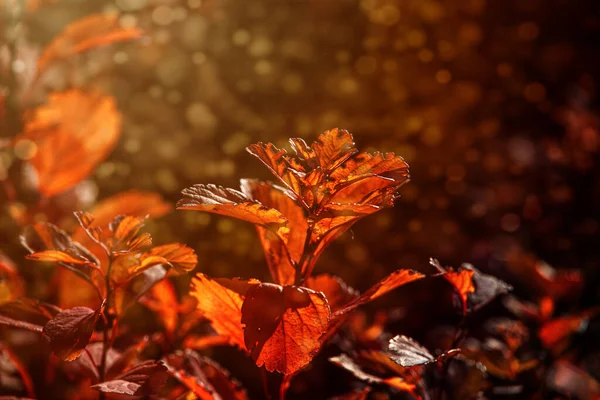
(85, 34)
(336, 291)
(129, 265)
(391, 282)
(283, 251)
(283, 325)
(350, 365)
(554, 332)
(72, 134)
(162, 299)
(231, 203)
(137, 203)
(126, 235)
(57, 256)
(181, 257)
(70, 331)
(221, 305)
(473, 286)
(48, 243)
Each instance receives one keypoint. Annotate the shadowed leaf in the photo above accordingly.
(408, 353)
(70, 331)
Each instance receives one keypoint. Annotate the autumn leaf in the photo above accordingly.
(46, 242)
(221, 305)
(558, 330)
(179, 256)
(475, 288)
(351, 366)
(336, 291)
(70, 331)
(140, 381)
(128, 293)
(162, 299)
(408, 353)
(283, 325)
(204, 377)
(137, 203)
(84, 34)
(128, 266)
(72, 134)
(231, 203)
(57, 256)
(327, 187)
(281, 251)
(391, 282)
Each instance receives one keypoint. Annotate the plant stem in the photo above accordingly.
(108, 323)
(458, 337)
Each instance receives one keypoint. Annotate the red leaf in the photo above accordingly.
(283, 326)
(70, 331)
(141, 380)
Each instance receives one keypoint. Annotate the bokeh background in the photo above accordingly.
(493, 104)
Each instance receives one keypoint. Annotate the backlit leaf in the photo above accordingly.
(281, 252)
(338, 294)
(57, 256)
(180, 256)
(283, 325)
(70, 331)
(231, 203)
(222, 306)
(72, 133)
(555, 331)
(46, 242)
(391, 282)
(162, 299)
